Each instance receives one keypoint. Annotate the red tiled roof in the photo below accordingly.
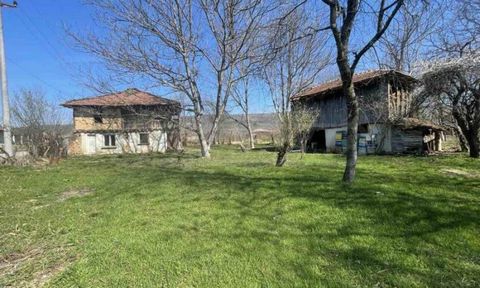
(128, 97)
(359, 78)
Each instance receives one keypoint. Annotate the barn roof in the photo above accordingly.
(358, 79)
(129, 97)
(415, 123)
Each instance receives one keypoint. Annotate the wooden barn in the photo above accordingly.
(384, 124)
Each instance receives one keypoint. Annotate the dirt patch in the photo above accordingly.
(15, 268)
(75, 193)
(42, 277)
(12, 262)
(461, 173)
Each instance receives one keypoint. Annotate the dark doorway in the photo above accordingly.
(316, 143)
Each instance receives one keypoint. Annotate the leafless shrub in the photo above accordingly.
(38, 125)
(303, 117)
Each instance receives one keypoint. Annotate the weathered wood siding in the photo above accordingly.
(407, 141)
(333, 108)
(399, 99)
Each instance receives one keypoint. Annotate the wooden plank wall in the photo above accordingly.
(399, 99)
(407, 141)
(333, 108)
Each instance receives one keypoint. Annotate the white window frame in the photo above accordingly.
(107, 141)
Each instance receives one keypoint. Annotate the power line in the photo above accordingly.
(53, 51)
(33, 75)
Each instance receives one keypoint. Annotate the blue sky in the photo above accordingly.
(38, 53)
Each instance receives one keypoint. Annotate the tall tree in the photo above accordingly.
(460, 30)
(457, 34)
(301, 54)
(343, 17)
(241, 98)
(455, 84)
(190, 47)
(405, 42)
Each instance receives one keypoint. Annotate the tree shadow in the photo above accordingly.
(383, 226)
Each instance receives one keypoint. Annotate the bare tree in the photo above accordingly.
(342, 22)
(39, 124)
(460, 30)
(458, 34)
(188, 46)
(374, 108)
(241, 98)
(456, 84)
(300, 57)
(404, 43)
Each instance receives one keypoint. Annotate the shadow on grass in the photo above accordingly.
(385, 232)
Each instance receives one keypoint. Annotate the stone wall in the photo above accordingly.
(75, 145)
(88, 124)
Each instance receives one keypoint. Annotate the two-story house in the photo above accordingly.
(386, 124)
(131, 121)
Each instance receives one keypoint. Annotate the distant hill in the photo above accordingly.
(230, 131)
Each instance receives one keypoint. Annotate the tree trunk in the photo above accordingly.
(252, 140)
(302, 146)
(282, 155)
(473, 143)
(204, 147)
(214, 130)
(461, 139)
(352, 129)
(250, 134)
(470, 133)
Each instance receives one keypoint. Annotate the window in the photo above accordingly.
(363, 128)
(109, 140)
(98, 119)
(144, 139)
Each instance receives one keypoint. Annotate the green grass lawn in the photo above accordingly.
(238, 221)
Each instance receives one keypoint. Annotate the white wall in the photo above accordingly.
(330, 138)
(377, 129)
(126, 143)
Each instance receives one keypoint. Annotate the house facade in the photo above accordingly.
(386, 122)
(131, 121)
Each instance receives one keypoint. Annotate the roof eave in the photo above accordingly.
(66, 105)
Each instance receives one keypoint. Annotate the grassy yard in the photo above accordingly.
(237, 221)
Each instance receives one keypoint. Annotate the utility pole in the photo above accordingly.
(7, 132)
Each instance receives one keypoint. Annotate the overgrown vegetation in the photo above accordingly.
(237, 221)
